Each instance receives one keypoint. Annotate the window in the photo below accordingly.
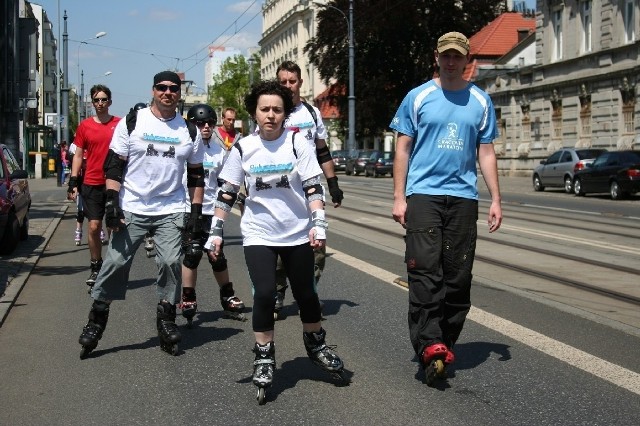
(554, 158)
(628, 118)
(566, 157)
(557, 34)
(586, 25)
(629, 22)
(47, 99)
(557, 126)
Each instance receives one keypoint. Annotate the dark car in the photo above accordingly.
(615, 172)
(15, 201)
(379, 164)
(357, 159)
(339, 160)
(558, 169)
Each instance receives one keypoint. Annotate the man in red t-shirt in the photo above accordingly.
(226, 134)
(92, 141)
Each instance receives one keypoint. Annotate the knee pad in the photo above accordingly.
(220, 264)
(192, 260)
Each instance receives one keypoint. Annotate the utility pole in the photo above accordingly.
(65, 86)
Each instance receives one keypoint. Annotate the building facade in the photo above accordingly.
(582, 90)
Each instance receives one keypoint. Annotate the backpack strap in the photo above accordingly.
(193, 132)
(293, 142)
(312, 112)
(132, 118)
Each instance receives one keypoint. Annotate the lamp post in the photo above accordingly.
(351, 139)
(252, 124)
(80, 74)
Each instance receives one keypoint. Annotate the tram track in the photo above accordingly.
(562, 280)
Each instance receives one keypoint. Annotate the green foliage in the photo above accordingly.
(394, 49)
(231, 84)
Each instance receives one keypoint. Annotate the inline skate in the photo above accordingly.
(149, 245)
(78, 237)
(231, 304)
(277, 309)
(435, 359)
(324, 356)
(103, 238)
(263, 367)
(189, 305)
(95, 269)
(92, 332)
(167, 329)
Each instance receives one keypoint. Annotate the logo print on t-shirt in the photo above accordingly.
(260, 185)
(284, 182)
(451, 141)
(171, 153)
(151, 152)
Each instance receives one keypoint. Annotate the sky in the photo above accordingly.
(148, 36)
(145, 37)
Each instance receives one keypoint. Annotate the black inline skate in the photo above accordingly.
(263, 367)
(435, 359)
(95, 270)
(324, 356)
(189, 305)
(92, 332)
(167, 329)
(277, 309)
(149, 245)
(231, 304)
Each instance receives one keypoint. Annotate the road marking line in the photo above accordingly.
(600, 368)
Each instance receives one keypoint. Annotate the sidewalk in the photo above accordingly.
(48, 206)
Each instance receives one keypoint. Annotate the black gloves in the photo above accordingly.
(73, 183)
(336, 193)
(113, 215)
(194, 224)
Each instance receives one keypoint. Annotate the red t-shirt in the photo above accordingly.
(94, 138)
(227, 137)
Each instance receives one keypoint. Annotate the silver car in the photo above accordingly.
(558, 169)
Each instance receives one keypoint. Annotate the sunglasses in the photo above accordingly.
(100, 100)
(163, 88)
(201, 123)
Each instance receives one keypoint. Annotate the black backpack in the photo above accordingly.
(132, 118)
(312, 112)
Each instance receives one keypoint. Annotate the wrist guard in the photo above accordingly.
(336, 193)
(194, 225)
(112, 212)
(73, 183)
(320, 225)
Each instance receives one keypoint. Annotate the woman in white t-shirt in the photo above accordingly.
(283, 216)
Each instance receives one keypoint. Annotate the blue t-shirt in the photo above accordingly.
(447, 128)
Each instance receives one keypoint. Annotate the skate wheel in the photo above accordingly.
(261, 396)
(149, 254)
(189, 322)
(77, 243)
(341, 376)
(85, 351)
(173, 350)
(435, 370)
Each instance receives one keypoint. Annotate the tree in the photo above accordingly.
(231, 84)
(394, 49)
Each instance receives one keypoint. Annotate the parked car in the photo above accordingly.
(356, 161)
(15, 202)
(339, 159)
(558, 169)
(615, 172)
(380, 163)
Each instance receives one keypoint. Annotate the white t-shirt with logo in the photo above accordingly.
(308, 128)
(214, 157)
(158, 153)
(276, 210)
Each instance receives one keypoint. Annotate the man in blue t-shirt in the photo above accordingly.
(443, 126)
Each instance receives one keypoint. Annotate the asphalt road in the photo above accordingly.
(521, 360)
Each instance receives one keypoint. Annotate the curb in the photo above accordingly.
(13, 290)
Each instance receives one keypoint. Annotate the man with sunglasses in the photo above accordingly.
(92, 140)
(144, 171)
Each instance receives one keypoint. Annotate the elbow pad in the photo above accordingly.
(313, 189)
(113, 166)
(195, 177)
(323, 154)
(227, 195)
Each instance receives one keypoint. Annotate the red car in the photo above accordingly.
(15, 202)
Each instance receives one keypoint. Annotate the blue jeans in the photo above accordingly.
(113, 278)
(440, 249)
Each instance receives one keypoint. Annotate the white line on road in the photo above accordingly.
(600, 368)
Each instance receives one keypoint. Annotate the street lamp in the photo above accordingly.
(351, 140)
(81, 97)
(252, 124)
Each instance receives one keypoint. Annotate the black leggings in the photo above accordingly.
(298, 264)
